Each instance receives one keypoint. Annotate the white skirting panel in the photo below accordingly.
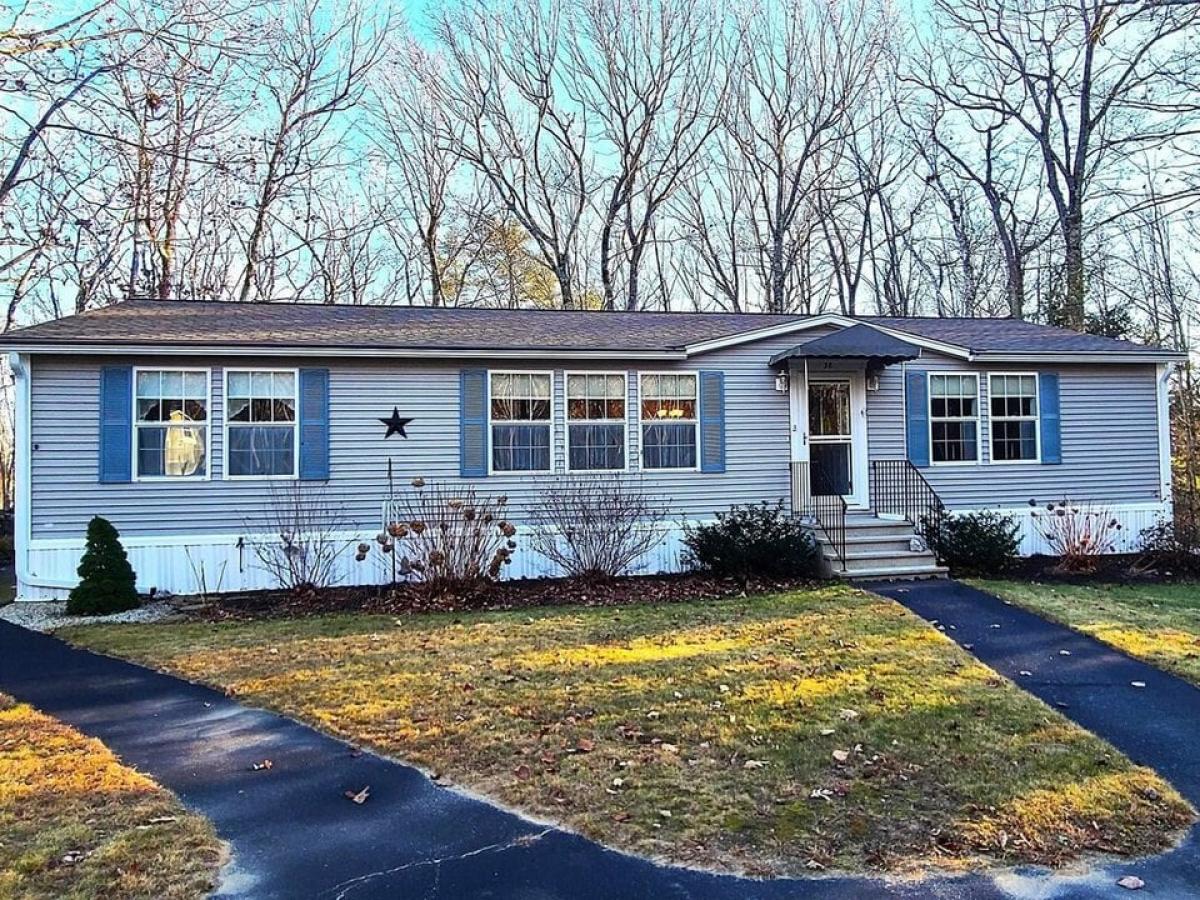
(1134, 518)
(178, 564)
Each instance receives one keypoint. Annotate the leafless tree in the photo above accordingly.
(315, 67)
(804, 68)
(501, 85)
(654, 75)
(1083, 86)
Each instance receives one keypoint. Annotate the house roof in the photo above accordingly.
(392, 330)
(856, 342)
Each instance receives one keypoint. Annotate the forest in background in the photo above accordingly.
(1031, 158)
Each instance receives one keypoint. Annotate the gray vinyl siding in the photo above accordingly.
(1108, 414)
(1109, 438)
(64, 426)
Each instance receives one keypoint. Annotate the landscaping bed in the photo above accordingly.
(486, 595)
(76, 823)
(1156, 621)
(795, 733)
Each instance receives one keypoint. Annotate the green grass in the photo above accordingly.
(1159, 623)
(65, 796)
(826, 728)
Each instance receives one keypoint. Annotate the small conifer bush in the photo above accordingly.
(107, 583)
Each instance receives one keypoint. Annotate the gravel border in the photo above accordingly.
(49, 615)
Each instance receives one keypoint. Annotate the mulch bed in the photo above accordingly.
(1117, 568)
(516, 594)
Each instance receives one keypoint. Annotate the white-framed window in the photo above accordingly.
(953, 418)
(596, 421)
(520, 411)
(670, 420)
(262, 437)
(170, 423)
(1013, 416)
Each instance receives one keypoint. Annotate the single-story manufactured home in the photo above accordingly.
(179, 421)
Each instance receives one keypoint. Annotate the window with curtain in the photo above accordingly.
(669, 419)
(954, 418)
(1014, 417)
(260, 424)
(171, 423)
(596, 421)
(519, 404)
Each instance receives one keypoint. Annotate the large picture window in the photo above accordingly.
(171, 423)
(519, 406)
(954, 418)
(260, 424)
(595, 422)
(669, 419)
(1014, 417)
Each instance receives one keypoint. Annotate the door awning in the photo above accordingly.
(855, 342)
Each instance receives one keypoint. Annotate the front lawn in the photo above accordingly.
(819, 729)
(1158, 623)
(75, 823)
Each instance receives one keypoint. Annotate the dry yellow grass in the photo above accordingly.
(76, 823)
(826, 728)
(1158, 623)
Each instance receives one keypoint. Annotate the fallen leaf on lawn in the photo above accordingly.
(841, 755)
(522, 772)
(361, 797)
(665, 813)
(261, 766)
(724, 688)
(585, 745)
(753, 764)
(1131, 882)
(621, 817)
(848, 714)
(825, 732)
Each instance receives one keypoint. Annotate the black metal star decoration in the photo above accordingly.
(395, 423)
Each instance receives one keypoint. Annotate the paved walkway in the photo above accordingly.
(293, 834)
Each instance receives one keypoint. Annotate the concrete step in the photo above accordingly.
(900, 543)
(872, 554)
(878, 528)
(899, 573)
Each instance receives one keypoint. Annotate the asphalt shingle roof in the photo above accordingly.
(152, 323)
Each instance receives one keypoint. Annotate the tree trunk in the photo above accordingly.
(1074, 310)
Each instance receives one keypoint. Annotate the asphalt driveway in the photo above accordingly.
(294, 834)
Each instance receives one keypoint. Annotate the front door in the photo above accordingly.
(831, 440)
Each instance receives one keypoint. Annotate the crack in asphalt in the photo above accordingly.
(346, 888)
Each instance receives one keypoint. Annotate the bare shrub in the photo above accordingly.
(1078, 533)
(446, 539)
(304, 546)
(596, 526)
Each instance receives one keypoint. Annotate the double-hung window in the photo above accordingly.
(1013, 404)
(954, 418)
(595, 422)
(520, 407)
(171, 423)
(260, 423)
(669, 420)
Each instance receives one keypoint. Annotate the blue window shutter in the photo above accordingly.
(472, 423)
(314, 424)
(916, 405)
(1049, 409)
(116, 424)
(712, 421)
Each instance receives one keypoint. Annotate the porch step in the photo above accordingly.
(900, 573)
(878, 549)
